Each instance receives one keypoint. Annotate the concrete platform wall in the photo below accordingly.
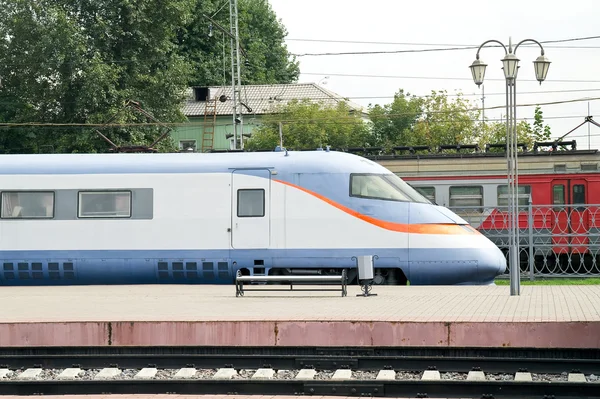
(303, 333)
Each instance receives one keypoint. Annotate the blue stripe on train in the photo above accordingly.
(426, 266)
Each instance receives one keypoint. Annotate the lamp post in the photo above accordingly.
(510, 64)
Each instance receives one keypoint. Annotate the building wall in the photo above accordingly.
(223, 127)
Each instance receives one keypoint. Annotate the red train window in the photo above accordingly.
(558, 195)
(579, 194)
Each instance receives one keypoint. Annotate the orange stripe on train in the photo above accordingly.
(393, 226)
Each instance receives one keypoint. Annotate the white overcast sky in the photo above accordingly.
(444, 23)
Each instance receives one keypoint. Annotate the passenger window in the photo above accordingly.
(467, 196)
(107, 204)
(523, 195)
(251, 203)
(27, 205)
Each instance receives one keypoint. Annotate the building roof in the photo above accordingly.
(262, 99)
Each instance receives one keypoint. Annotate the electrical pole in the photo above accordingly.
(235, 74)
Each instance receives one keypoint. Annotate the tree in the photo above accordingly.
(540, 132)
(444, 121)
(433, 120)
(495, 133)
(79, 61)
(261, 35)
(307, 124)
(392, 123)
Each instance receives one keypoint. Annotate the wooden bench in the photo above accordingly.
(292, 281)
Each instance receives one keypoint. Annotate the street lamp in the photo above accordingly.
(510, 65)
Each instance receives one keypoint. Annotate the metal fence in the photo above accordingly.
(554, 240)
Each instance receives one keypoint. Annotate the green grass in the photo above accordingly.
(552, 281)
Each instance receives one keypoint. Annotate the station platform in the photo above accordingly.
(209, 315)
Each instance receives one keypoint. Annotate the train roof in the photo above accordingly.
(285, 161)
(481, 155)
(471, 165)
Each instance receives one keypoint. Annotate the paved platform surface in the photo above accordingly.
(149, 315)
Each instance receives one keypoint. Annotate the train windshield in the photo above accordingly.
(384, 186)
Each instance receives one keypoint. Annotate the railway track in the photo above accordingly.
(377, 372)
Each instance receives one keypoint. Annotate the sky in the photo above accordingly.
(324, 26)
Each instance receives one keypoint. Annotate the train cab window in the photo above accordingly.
(467, 196)
(104, 204)
(384, 187)
(427, 192)
(27, 205)
(524, 192)
(251, 203)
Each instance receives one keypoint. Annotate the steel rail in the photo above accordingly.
(490, 360)
(359, 388)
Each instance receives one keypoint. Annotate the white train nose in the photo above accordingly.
(491, 264)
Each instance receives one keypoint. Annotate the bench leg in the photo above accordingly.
(239, 285)
(239, 288)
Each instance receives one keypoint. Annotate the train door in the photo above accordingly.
(570, 224)
(251, 192)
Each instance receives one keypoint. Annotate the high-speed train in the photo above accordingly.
(199, 218)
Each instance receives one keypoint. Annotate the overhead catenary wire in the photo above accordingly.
(435, 44)
(336, 119)
(322, 121)
(451, 47)
(423, 50)
(443, 77)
